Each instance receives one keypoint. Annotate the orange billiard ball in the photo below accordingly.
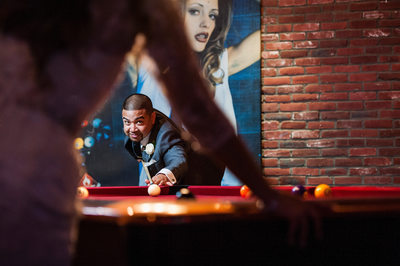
(322, 191)
(82, 192)
(245, 192)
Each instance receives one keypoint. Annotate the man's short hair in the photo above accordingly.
(138, 101)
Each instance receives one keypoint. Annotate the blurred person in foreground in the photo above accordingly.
(59, 62)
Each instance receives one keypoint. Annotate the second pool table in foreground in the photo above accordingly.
(125, 226)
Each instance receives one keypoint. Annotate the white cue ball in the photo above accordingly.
(154, 190)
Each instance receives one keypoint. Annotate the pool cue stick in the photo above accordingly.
(147, 172)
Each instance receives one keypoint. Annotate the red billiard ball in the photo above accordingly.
(322, 191)
(298, 190)
(245, 192)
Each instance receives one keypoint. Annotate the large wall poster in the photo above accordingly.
(102, 139)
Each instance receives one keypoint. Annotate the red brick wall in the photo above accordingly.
(331, 92)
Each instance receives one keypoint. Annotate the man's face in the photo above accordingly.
(137, 123)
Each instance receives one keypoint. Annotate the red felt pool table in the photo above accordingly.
(125, 226)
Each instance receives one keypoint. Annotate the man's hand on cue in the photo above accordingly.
(159, 179)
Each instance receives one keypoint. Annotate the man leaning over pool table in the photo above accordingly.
(153, 140)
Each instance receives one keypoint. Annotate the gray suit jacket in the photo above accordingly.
(169, 152)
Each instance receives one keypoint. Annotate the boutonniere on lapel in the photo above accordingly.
(149, 149)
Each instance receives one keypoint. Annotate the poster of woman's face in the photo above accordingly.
(225, 37)
(200, 19)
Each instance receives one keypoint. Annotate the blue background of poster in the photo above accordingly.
(245, 85)
(105, 158)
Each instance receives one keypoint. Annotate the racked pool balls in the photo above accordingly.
(322, 191)
(82, 192)
(245, 192)
(154, 190)
(184, 193)
(298, 190)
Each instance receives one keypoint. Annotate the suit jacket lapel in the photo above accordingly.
(137, 150)
(133, 148)
(153, 138)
